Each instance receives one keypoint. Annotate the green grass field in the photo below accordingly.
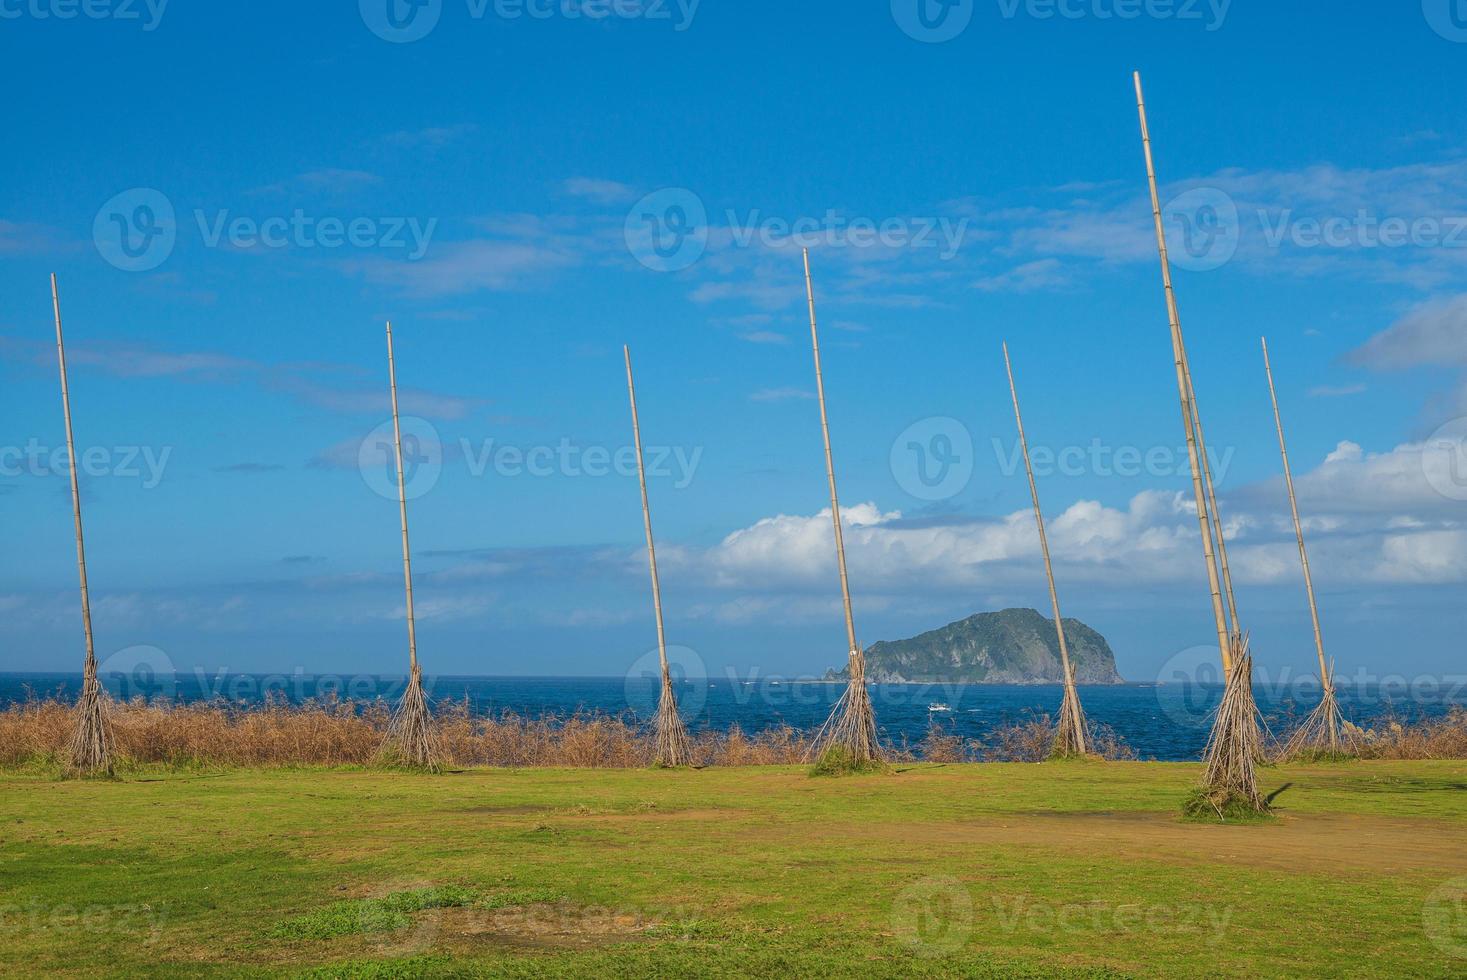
(975, 870)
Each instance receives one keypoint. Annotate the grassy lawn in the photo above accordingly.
(1063, 869)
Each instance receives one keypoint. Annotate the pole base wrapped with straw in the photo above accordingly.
(410, 742)
(1230, 783)
(674, 748)
(1324, 735)
(1070, 740)
(91, 742)
(847, 742)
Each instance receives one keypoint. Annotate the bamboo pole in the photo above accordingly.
(407, 561)
(646, 514)
(840, 546)
(852, 723)
(81, 550)
(1325, 674)
(1222, 544)
(1071, 736)
(91, 740)
(673, 746)
(410, 740)
(1184, 390)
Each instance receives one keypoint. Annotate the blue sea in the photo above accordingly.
(1160, 721)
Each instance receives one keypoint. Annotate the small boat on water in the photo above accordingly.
(938, 706)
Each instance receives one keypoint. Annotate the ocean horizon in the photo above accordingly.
(1159, 720)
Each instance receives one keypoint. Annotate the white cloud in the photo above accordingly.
(1026, 278)
(598, 190)
(1433, 333)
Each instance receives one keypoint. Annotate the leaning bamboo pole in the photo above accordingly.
(91, 741)
(673, 746)
(409, 738)
(1231, 776)
(1070, 737)
(1184, 389)
(851, 727)
(1322, 729)
(1224, 569)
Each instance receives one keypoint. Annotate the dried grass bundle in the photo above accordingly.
(673, 746)
(1230, 782)
(90, 749)
(847, 742)
(1070, 737)
(410, 741)
(1324, 733)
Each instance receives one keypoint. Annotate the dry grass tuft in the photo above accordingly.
(848, 736)
(1431, 738)
(338, 733)
(1230, 782)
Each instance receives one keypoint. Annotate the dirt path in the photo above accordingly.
(1309, 844)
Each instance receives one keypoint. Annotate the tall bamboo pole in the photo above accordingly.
(410, 739)
(81, 550)
(646, 514)
(407, 561)
(91, 741)
(852, 723)
(1071, 731)
(1325, 674)
(840, 546)
(1222, 544)
(673, 745)
(1184, 390)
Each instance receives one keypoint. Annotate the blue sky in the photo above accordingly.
(488, 186)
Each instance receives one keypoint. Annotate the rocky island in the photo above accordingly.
(1013, 646)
